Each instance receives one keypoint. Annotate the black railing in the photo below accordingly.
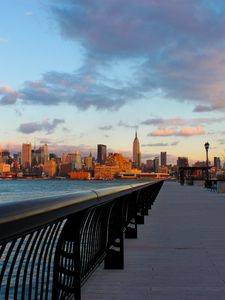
(49, 246)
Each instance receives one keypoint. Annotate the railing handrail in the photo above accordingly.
(20, 217)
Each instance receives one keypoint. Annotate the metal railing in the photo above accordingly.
(50, 246)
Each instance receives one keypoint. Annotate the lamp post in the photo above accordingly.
(207, 160)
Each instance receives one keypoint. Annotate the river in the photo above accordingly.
(17, 190)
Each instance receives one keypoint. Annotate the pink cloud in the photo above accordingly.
(185, 131)
(188, 131)
(163, 132)
(6, 89)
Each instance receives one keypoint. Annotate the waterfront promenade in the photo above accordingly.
(179, 253)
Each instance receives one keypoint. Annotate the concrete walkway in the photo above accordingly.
(179, 253)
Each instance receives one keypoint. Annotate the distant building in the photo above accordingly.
(163, 169)
(88, 161)
(17, 157)
(5, 156)
(182, 162)
(44, 153)
(136, 152)
(217, 162)
(80, 175)
(74, 159)
(64, 158)
(199, 164)
(36, 157)
(26, 155)
(101, 154)
(50, 168)
(156, 164)
(52, 156)
(118, 159)
(78, 161)
(106, 172)
(149, 167)
(4, 168)
(163, 158)
(65, 169)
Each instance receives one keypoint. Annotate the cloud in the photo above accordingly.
(106, 127)
(160, 144)
(8, 95)
(204, 108)
(163, 132)
(186, 131)
(176, 47)
(107, 28)
(126, 125)
(181, 121)
(83, 89)
(46, 141)
(46, 126)
(181, 41)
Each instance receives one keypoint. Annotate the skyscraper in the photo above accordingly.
(156, 164)
(101, 154)
(26, 155)
(163, 159)
(44, 153)
(136, 152)
(217, 162)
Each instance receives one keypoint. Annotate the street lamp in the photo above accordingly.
(207, 161)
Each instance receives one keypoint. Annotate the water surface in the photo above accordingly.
(17, 190)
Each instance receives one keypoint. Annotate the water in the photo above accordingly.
(17, 190)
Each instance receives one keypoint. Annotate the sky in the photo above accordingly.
(77, 73)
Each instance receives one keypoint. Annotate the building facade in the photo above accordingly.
(163, 158)
(26, 155)
(101, 154)
(136, 152)
(44, 153)
(156, 164)
(182, 162)
(50, 168)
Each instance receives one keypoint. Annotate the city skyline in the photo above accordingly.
(108, 70)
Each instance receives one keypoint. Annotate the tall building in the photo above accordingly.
(78, 161)
(88, 160)
(26, 155)
(101, 154)
(149, 165)
(44, 153)
(156, 164)
(5, 156)
(74, 159)
(163, 158)
(217, 162)
(36, 157)
(136, 152)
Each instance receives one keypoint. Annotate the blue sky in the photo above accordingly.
(78, 73)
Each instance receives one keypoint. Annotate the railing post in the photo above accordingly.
(131, 230)
(67, 262)
(115, 254)
(131, 224)
(140, 218)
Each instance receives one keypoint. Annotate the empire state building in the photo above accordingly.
(136, 152)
